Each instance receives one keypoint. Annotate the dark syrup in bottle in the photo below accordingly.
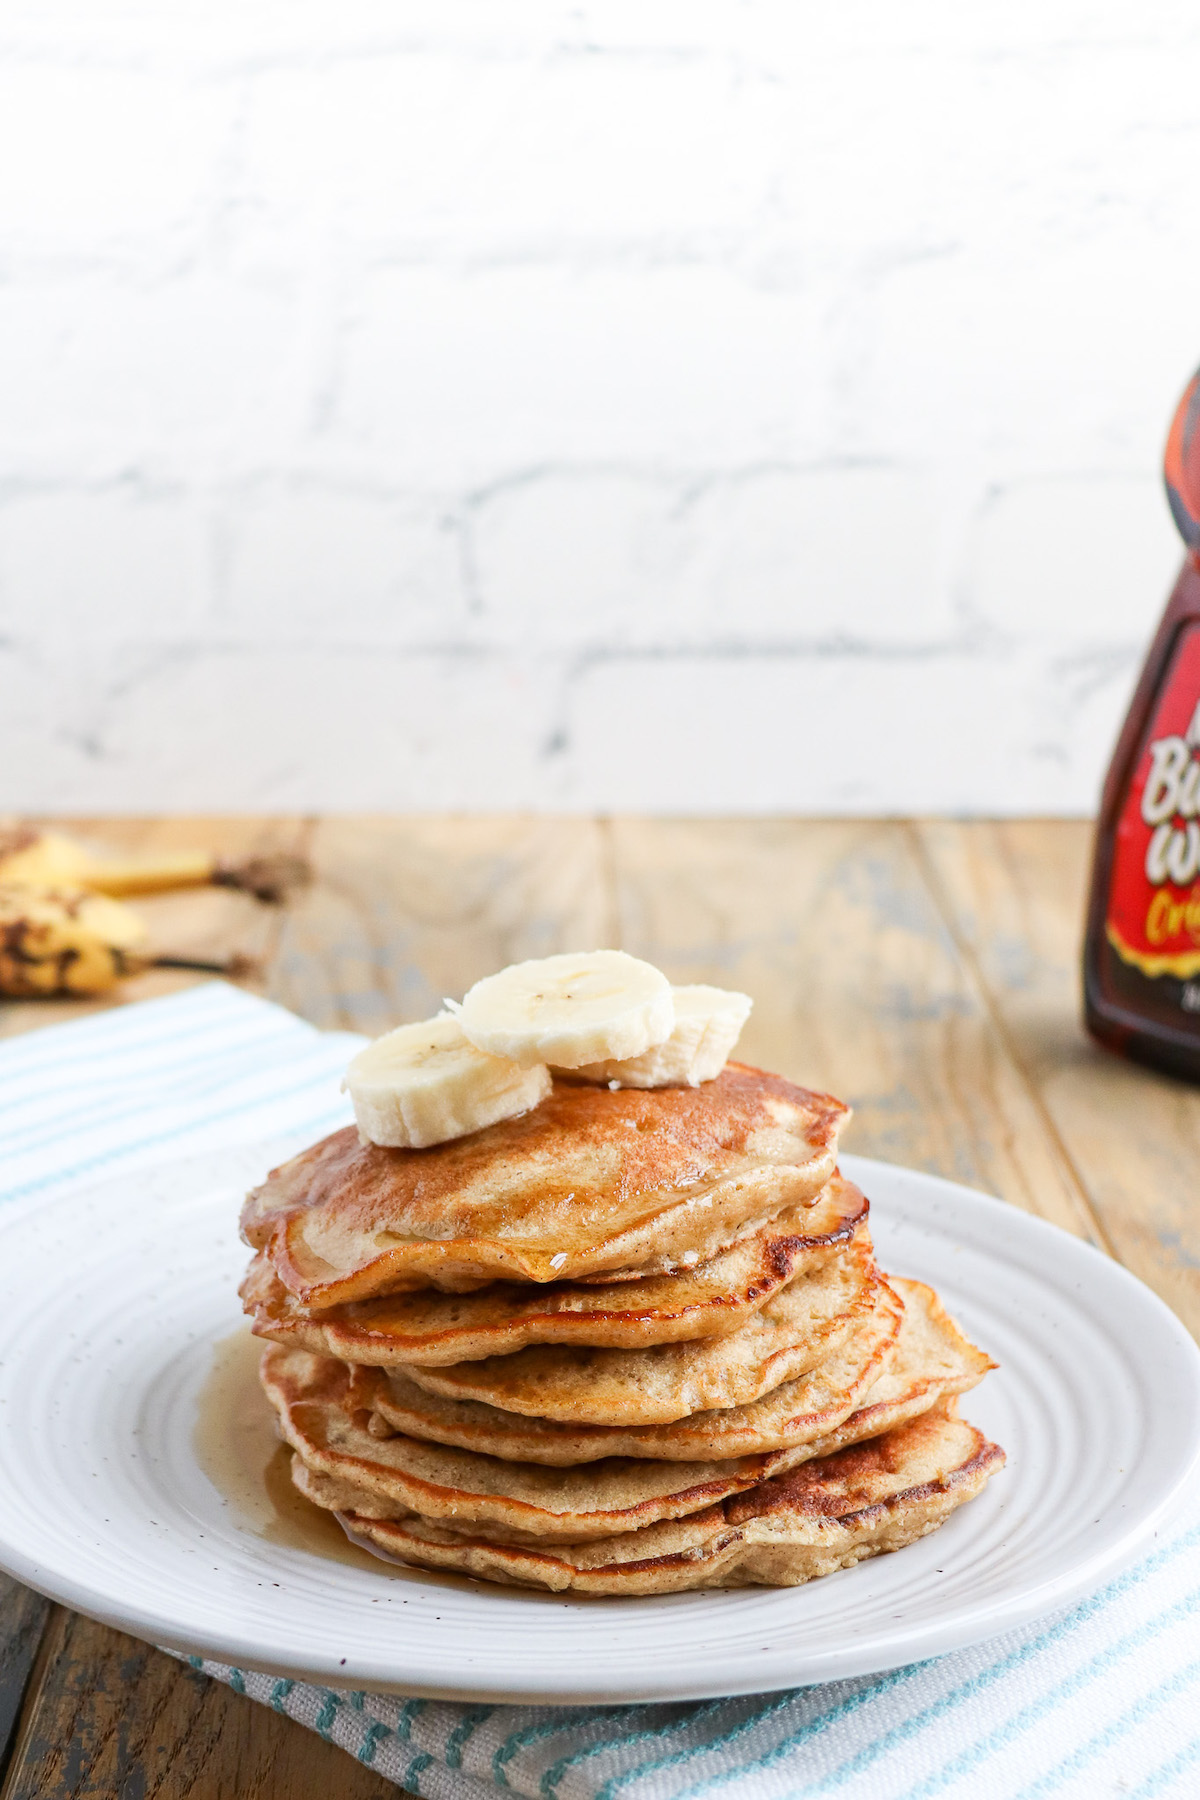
(1141, 962)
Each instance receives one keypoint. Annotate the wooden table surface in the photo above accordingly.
(925, 970)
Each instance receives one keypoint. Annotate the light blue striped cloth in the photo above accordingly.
(1101, 1700)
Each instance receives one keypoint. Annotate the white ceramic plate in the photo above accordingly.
(111, 1302)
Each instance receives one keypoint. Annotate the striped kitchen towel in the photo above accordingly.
(194, 1072)
(1101, 1700)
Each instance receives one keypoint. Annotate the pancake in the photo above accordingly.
(590, 1180)
(317, 1408)
(908, 1356)
(322, 1407)
(431, 1328)
(795, 1330)
(827, 1514)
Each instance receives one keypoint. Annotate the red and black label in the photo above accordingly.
(1153, 918)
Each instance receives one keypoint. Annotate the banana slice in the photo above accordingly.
(426, 1083)
(570, 1010)
(708, 1023)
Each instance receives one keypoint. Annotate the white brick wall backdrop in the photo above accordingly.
(647, 403)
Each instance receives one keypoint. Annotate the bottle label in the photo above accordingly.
(1153, 917)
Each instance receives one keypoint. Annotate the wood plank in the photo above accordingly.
(23, 1617)
(1015, 892)
(858, 987)
(210, 923)
(403, 912)
(112, 1716)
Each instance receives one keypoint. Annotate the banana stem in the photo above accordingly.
(235, 968)
(268, 878)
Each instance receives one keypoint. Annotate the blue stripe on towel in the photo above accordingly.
(1112, 1734)
(155, 1139)
(1053, 1697)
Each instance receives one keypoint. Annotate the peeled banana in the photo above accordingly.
(708, 1023)
(425, 1084)
(66, 940)
(49, 859)
(570, 1010)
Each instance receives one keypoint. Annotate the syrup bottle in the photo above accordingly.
(1141, 959)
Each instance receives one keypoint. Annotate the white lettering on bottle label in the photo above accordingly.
(1169, 759)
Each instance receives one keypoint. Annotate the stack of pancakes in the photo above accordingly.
(631, 1342)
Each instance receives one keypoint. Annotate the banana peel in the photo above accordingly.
(49, 859)
(69, 940)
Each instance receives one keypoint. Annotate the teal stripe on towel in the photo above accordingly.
(164, 1137)
(535, 1734)
(1046, 1703)
(456, 1742)
(1112, 1734)
(1166, 1772)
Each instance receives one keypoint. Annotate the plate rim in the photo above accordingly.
(887, 1649)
